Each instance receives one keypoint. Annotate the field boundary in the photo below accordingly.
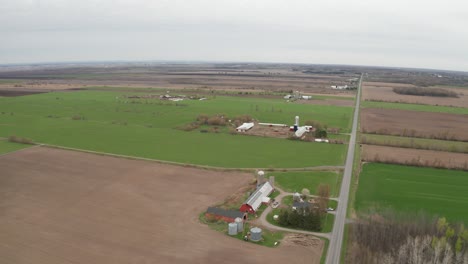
(316, 168)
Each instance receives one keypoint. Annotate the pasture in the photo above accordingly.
(296, 181)
(6, 146)
(109, 122)
(435, 191)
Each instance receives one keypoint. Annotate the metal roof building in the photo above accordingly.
(255, 200)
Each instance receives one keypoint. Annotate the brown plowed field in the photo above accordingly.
(429, 158)
(414, 124)
(373, 91)
(60, 206)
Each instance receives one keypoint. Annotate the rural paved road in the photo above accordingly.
(336, 238)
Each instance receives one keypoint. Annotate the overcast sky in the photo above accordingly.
(401, 33)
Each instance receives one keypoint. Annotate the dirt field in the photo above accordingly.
(430, 158)
(241, 78)
(61, 206)
(373, 91)
(414, 124)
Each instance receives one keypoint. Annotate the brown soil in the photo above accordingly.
(266, 131)
(414, 124)
(61, 206)
(427, 158)
(384, 92)
(336, 102)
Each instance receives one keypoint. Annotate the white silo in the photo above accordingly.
(232, 229)
(296, 123)
(255, 234)
(260, 177)
(240, 224)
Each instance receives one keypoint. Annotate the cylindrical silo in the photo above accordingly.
(272, 181)
(260, 177)
(232, 229)
(240, 224)
(255, 234)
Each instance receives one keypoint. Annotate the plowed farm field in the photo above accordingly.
(414, 124)
(373, 91)
(420, 157)
(61, 206)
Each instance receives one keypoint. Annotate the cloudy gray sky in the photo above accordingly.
(401, 33)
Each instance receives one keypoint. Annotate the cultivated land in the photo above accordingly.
(416, 107)
(296, 181)
(148, 128)
(415, 124)
(69, 207)
(417, 157)
(374, 91)
(435, 191)
(415, 143)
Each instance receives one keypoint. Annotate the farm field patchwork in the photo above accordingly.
(416, 107)
(414, 124)
(296, 181)
(417, 157)
(63, 206)
(148, 128)
(373, 91)
(436, 191)
(416, 143)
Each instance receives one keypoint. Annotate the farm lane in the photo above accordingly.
(336, 239)
(263, 222)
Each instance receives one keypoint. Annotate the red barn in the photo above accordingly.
(257, 198)
(225, 215)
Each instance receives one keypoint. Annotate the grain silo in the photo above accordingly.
(260, 177)
(232, 229)
(255, 234)
(272, 181)
(240, 224)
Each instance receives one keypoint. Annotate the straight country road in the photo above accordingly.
(336, 238)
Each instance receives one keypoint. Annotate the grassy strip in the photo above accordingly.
(416, 143)
(296, 181)
(416, 107)
(7, 147)
(326, 242)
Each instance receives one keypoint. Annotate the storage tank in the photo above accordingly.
(255, 234)
(260, 177)
(240, 224)
(272, 181)
(232, 229)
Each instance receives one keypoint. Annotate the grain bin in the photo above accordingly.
(240, 224)
(255, 234)
(260, 177)
(232, 229)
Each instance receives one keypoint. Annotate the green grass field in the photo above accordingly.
(147, 128)
(403, 188)
(296, 181)
(6, 146)
(419, 143)
(416, 107)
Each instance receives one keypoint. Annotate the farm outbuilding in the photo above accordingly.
(257, 198)
(244, 127)
(225, 215)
